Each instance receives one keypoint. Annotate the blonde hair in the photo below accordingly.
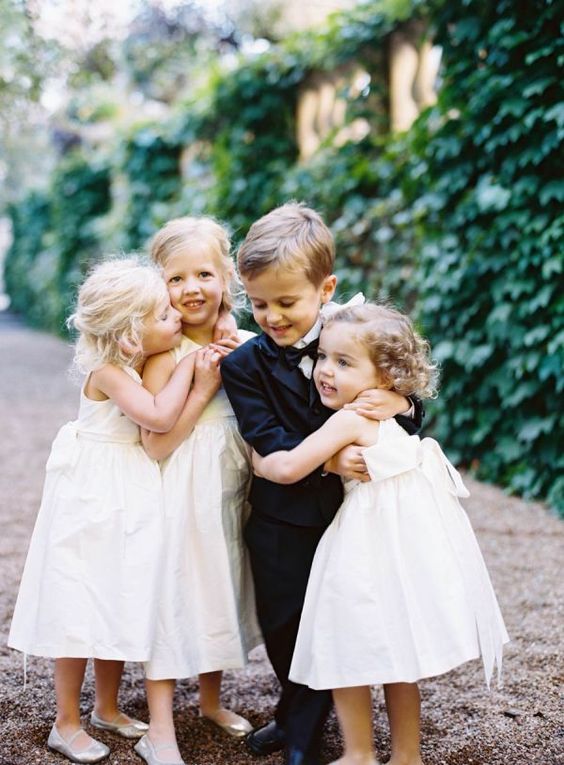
(399, 354)
(292, 236)
(113, 304)
(179, 234)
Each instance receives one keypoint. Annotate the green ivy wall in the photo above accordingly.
(459, 220)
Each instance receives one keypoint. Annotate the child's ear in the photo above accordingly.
(129, 347)
(328, 287)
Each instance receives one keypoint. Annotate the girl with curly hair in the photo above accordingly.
(91, 580)
(398, 589)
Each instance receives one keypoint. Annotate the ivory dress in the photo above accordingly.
(206, 618)
(89, 584)
(398, 589)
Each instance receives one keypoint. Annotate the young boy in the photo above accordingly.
(286, 264)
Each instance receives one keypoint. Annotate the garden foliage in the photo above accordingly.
(458, 220)
(491, 260)
(54, 240)
(150, 161)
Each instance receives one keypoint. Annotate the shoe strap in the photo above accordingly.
(167, 745)
(69, 741)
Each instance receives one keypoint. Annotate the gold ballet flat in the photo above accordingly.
(237, 729)
(131, 729)
(94, 753)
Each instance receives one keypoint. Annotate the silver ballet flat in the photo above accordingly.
(148, 752)
(237, 729)
(132, 729)
(95, 752)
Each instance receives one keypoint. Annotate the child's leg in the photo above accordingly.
(69, 675)
(107, 675)
(161, 724)
(404, 713)
(106, 714)
(354, 710)
(210, 706)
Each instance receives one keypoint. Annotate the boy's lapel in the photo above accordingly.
(293, 379)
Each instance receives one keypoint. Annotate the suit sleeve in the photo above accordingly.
(258, 424)
(412, 426)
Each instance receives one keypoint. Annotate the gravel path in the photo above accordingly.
(519, 724)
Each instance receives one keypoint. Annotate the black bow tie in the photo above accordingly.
(293, 355)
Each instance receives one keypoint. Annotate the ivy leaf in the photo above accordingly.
(538, 87)
(552, 190)
(555, 113)
(535, 427)
(443, 350)
(536, 335)
(478, 356)
(491, 196)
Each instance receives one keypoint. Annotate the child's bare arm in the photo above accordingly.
(155, 411)
(341, 429)
(206, 383)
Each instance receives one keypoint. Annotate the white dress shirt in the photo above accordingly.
(306, 363)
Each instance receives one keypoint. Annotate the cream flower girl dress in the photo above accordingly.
(398, 590)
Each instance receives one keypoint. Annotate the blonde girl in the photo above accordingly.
(206, 621)
(398, 590)
(89, 585)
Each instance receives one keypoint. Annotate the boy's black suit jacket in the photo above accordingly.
(277, 407)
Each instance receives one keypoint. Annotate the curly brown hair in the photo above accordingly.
(400, 355)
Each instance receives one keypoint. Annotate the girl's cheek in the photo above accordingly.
(174, 297)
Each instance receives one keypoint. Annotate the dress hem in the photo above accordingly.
(364, 680)
(90, 653)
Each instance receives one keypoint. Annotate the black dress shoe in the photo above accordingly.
(297, 757)
(270, 738)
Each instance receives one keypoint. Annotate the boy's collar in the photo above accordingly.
(310, 336)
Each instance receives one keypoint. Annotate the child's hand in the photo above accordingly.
(207, 379)
(348, 463)
(379, 404)
(257, 462)
(225, 346)
(225, 327)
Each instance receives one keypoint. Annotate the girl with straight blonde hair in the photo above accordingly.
(206, 621)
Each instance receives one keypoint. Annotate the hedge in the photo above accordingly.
(458, 220)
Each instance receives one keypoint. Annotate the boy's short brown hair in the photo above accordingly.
(291, 236)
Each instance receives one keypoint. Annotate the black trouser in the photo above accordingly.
(281, 557)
